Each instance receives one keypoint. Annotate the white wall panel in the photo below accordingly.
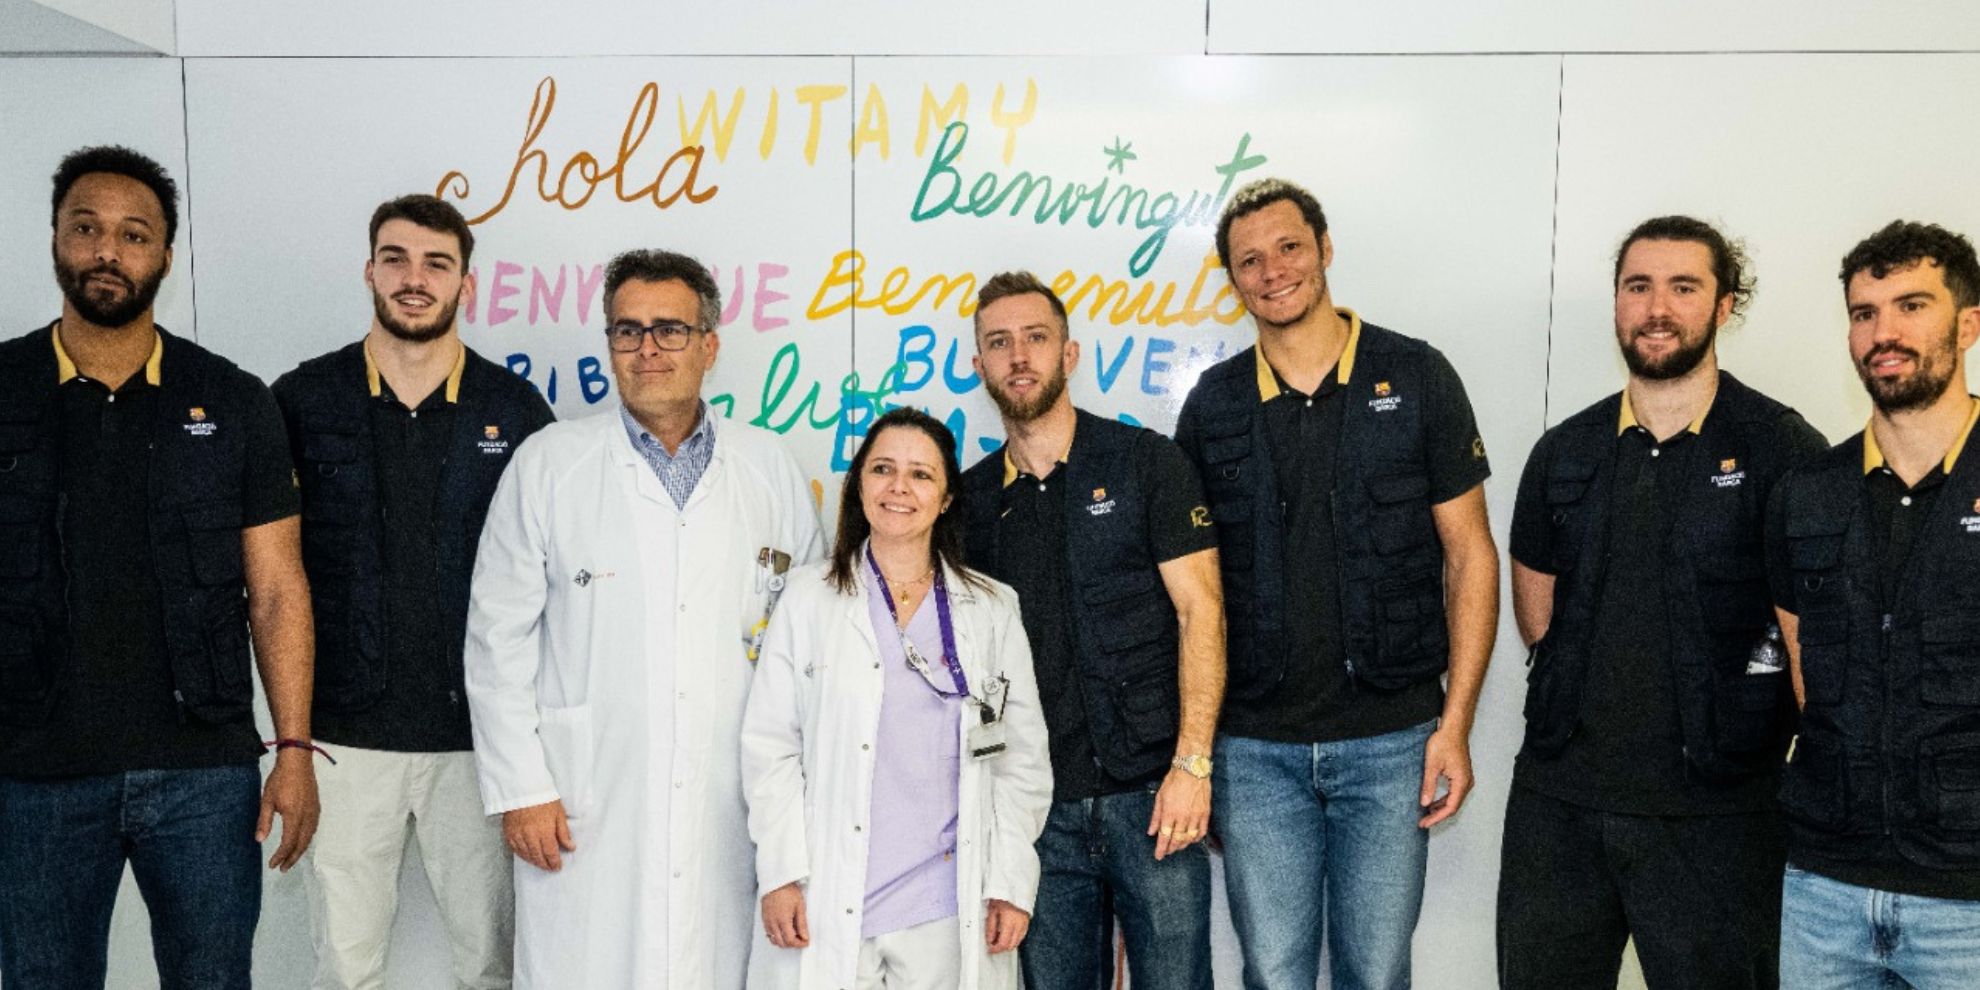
(1439, 26)
(679, 27)
(1801, 156)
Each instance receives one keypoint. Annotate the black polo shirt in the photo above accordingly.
(1897, 515)
(1031, 558)
(1318, 701)
(422, 710)
(116, 711)
(1627, 753)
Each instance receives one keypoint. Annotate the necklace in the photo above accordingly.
(913, 583)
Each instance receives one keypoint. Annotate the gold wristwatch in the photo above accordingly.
(1195, 765)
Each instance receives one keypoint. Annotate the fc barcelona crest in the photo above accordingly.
(1382, 388)
(1729, 465)
(1099, 494)
(492, 432)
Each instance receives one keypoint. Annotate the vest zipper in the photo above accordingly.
(1333, 521)
(1885, 624)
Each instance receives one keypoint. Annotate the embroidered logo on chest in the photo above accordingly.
(1730, 475)
(1385, 399)
(1101, 503)
(1971, 524)
(197, 423)
(491, 440)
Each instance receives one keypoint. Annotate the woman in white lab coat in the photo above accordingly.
(894, 754)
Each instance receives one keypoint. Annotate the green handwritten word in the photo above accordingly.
(942, 188)
(782, 378)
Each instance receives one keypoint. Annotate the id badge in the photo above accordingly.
(986, 740)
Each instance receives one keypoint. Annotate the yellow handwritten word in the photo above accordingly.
(873, 127)
(940, 115)
(1143, 302)
(586, 167)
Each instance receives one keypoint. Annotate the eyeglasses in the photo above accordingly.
(668, 335)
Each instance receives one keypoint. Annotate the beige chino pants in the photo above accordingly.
(373, 801)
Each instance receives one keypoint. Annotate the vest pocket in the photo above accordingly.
(213, 541)
(1949, 671)
(1951, 766)
(1411, 638)
(1567, 490)
(1149, 706)
(1824, 638)
(227, 644)
(1747, 709)
(1815, 788)
(1234, 535)
(1401, 521)
(326, 452)
(27, 668)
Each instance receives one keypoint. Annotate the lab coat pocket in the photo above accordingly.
(567, 751)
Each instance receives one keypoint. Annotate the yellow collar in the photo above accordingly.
(1011, 468)
(1268, 383)
(65, 368)
(1628, 417)
(1873, 455)
(373, 382)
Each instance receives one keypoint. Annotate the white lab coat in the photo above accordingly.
(808, 778)
(607, 668)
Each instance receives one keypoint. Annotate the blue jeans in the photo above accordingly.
(1323, 837)
(189, 838)
(1838, 936)
(1097, 861)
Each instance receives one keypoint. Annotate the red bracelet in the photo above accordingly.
(269, 744)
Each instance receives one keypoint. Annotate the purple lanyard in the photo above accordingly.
(949, 656)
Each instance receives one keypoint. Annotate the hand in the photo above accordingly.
(1004, 925)
(1182, 812)
(1446, 755)
(291, 793)
(783, 917)
(537, 833)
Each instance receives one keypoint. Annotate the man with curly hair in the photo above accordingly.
(1876, 570)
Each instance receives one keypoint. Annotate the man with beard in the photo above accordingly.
(1658, 706)
(147, 532)
(399, 440)
(1345, 474)
(1102, 529)
(1875, 548)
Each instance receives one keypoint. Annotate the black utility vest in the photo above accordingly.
(1390, 561)
(1890, 735)
(1733, 724)
(198, 456)
(327, 404)
(1125, 638)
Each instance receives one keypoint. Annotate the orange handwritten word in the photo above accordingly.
(586, 169)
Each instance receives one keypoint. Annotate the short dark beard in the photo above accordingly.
(1677, 364)
(135, 303)
(444, 320)
(1016, 411)
(1924, 387)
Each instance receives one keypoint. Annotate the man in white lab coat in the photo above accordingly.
(627, 565)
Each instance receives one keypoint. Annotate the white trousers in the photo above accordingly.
(372, 802)
(925, 957)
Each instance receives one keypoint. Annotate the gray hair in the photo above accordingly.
(655, 265)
